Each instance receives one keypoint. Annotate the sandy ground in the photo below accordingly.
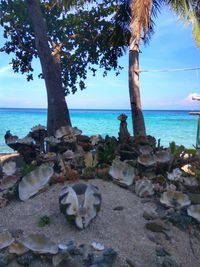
(122, 230)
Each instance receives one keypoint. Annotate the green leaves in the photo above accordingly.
(44, 220)
(85, 35)
(189, 12)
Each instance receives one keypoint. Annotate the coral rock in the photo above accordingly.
(163, 156)
(174, 175)
(39, 243)
(6, 239)
(175, 199)
(81, 203)
(9, 168)
(147, 160)
(68, 133)
(90, 160)
(17, 248)
(194, 211)
(34, 181)
(8, 182)
(122, 172)
(144, 150)
(38, 127)
(95, 139)
(144, 188)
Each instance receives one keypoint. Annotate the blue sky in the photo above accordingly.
(171, 46)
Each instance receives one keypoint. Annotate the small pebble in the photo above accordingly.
(130, 262)
(118, 208)
(169, 262)
(150, 214)
(97, 246)
(161, 252)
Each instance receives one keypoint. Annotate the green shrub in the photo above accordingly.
(107, 153)
(26, 168)
(44, 220)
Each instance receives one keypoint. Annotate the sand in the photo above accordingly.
(123, 230)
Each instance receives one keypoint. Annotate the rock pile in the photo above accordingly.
(36, 250)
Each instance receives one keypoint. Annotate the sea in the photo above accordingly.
(167, 125)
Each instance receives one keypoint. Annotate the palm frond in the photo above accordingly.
(196, 32)
(141, 13)
(156, 7)
(142, 24)
(189, 12)
(180, 7)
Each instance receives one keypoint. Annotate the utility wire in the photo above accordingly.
(170, 70)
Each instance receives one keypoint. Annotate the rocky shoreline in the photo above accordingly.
(138, 202)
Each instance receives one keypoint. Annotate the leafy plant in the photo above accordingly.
(106, 153)
(172, 147)
(175, 149)
(196, 170)
(88, 173)
(26, 168)
(191, 151)
(44, 220)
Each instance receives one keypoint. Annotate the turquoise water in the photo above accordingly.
(170, 125)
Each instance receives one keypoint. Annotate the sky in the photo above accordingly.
(171, 47)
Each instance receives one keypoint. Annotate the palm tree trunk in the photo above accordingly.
(58, 113)
(134, 92)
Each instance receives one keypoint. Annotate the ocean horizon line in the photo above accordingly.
(96, 109)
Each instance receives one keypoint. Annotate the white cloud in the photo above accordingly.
(4, 70)
(187, 101)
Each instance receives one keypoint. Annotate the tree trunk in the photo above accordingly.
(134, 92)
(58, 113)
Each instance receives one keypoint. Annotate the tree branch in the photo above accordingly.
(21, 44)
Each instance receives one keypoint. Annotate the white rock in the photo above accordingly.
(144, 188)
(175, 199)
(34, 181)
(174, 175)
(194, 211)
(145, 149)
(95, 139)
(6, 239)
(67, 131)
(90, 160)
(69, 154)
(39, 243)
(97, 246)
(162, 156)
(122, 172)
(81, 202)
(9, 168)
(147, 160)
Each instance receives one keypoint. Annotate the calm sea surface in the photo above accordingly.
(170, 125)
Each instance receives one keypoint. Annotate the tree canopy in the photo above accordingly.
(80, 38)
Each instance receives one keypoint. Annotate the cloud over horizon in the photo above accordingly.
(188, 102)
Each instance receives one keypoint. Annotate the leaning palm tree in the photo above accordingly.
(141, 27)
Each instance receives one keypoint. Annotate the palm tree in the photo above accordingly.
(141, 26)
(141, 14)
